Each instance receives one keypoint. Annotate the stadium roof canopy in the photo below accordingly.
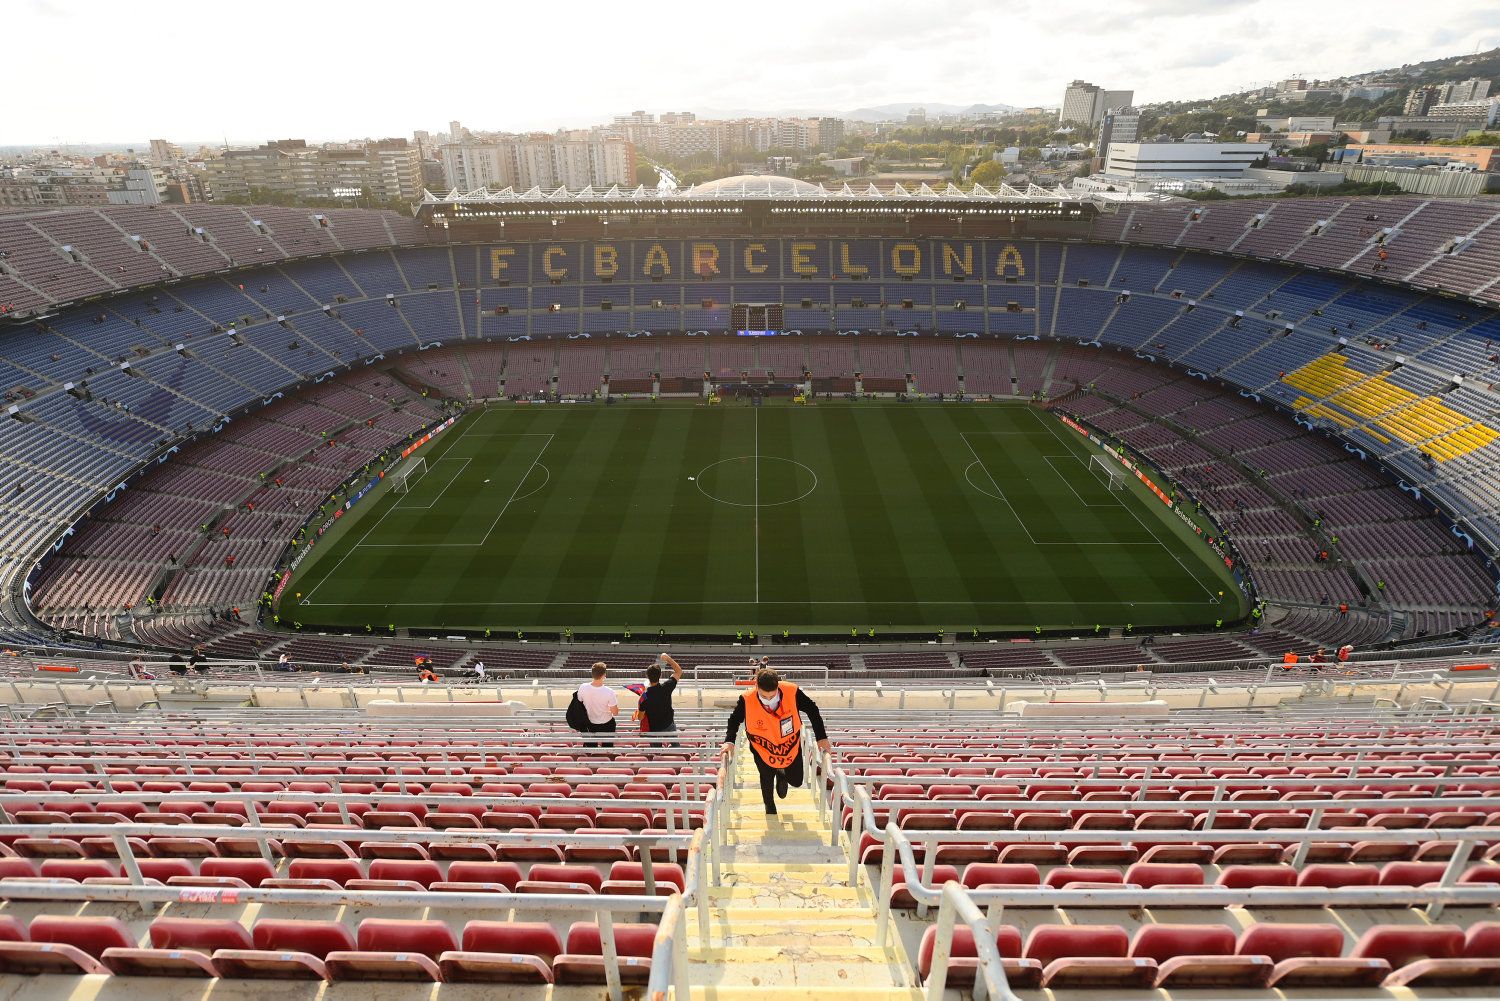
(762, 188)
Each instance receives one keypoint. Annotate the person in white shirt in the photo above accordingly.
(600, 701)
(479, 672)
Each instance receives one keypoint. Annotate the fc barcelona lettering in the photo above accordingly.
(759, 260)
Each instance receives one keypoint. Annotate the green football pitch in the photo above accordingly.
(710, 520)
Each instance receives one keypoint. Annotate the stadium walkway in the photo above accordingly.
(785, 924)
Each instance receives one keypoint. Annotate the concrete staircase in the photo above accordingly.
(785, 924)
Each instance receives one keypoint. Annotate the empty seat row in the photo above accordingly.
(623, 877)
(381, 949)
(1275, 956)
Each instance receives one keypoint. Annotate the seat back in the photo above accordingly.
(1411, 873)
(79, 869)
(253, 871)
(1063, 875)
(1400, 944)
(427, 938)
(338, 870)
(528, 938)
(1291, 941)
(317, 938)
(1335, 876)
(1149, 874)
(662, 872)
(507, 874)
(202, 934)
(91, 935)
(1049, 942)
(1258, 875)
(546, 872)
(1163, 942)
(1002, 873)
(417, 870)
(630, 939)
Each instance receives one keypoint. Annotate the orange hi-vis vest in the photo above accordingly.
(776, 737)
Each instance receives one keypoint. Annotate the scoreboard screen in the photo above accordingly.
(757, 319)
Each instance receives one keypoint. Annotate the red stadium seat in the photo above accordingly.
(963, 962)
(546, 877)
(418, 871)
(901, 897)
(503, 874)
(394, 950)
(1335, 876)
(1087, 956)
(982, 875)
(1309, 956)
(181, 947)
(1197, 956)
(500, 952)
(339, 871)
(1243, 876)
(252, 871)
(629, 879)
(1150, 874)
(583, 962)
(286, 950)
(69, 945)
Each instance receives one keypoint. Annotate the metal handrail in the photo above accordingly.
(991, 981)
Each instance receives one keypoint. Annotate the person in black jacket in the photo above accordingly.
(656, 703)
(771, 714)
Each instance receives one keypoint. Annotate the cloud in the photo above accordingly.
(297, 68)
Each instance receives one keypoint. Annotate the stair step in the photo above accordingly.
(767, 926)
(830, 872)
(798, 951)
(834, 938)
(808, 895)
(791, 966)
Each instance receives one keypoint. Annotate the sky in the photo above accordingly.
(89, 71)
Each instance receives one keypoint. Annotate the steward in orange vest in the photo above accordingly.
(772, 716)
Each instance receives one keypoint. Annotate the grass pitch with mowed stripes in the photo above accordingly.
(819, 518)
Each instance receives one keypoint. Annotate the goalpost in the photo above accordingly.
(1106, 472)
(409, 474)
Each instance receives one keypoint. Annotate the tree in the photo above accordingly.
(989, 173)
(647, 175)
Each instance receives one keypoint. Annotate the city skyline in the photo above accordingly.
(1164, 49)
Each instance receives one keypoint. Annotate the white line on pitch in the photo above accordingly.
(429, 505)
(1129, 508)
(998, 492)
(307, 598)
(519, 484)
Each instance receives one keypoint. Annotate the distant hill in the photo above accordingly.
(898, 112)
(1485, 65)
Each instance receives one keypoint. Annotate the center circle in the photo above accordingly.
(744, 481)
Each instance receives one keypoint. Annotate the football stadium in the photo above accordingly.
(1132, 562)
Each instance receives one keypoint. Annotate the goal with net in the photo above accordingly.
(409, 474)
(1106, 472)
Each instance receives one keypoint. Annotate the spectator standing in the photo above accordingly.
(600, 701)
(656, 703)
(479, 672)
(771, 713)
